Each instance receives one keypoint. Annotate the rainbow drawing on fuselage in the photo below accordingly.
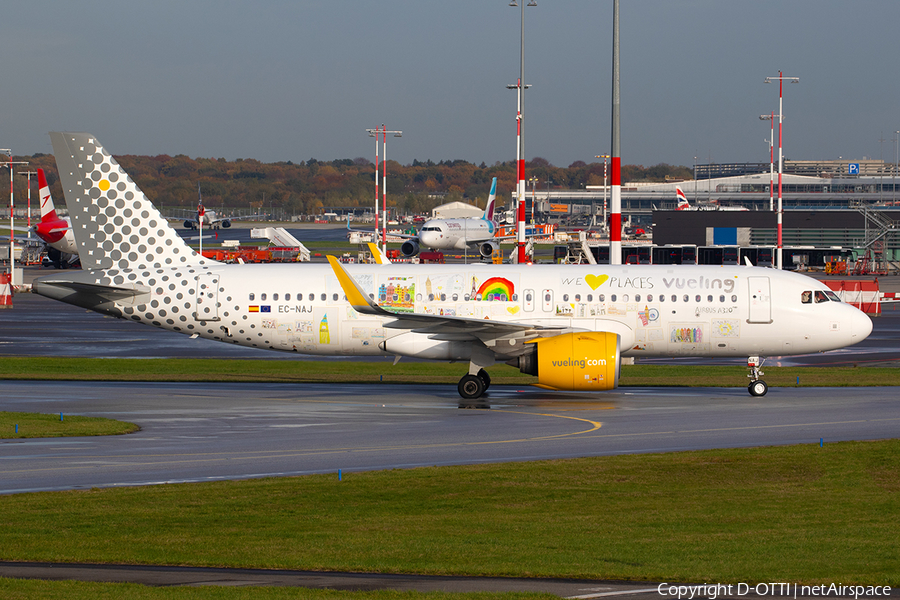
(497, 288)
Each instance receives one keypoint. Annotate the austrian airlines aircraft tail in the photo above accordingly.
(52, 229)
(568, 326)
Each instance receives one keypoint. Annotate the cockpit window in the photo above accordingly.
(806, 297)
(821, 296)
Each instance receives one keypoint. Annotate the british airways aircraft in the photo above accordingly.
(567, 325)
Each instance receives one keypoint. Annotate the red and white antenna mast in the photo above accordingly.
(615, 198)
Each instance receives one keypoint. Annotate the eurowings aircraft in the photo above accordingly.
(683, 204)
(457, 234)
(568, 325)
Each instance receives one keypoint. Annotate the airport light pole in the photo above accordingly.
(12, 217)
(28, 174)
(520, 146)
(781, 79)
(383, 131)
(771, 119)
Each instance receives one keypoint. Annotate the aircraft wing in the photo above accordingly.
(405, 236)
(424, 323)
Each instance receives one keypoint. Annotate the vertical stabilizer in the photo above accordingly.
(115, 225)
(492, 200)
(48, 211)
(682, 199)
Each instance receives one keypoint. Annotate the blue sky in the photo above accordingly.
(293, 80)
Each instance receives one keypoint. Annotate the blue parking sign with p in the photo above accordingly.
(853, 169)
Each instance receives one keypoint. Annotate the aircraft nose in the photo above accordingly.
(860, 326)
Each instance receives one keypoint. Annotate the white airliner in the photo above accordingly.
(568, 325)
(456, 234)
(210, 219)
(683, 204)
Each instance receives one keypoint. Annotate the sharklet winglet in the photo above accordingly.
(355, 296)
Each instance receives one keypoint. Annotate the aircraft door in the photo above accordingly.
(760, 300)
(547, 300)
(207, 302)
(529, 301)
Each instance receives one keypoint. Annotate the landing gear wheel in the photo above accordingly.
(483, 375)
(471, 387)
(758, 388)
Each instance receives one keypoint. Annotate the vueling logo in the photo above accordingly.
(584, 362)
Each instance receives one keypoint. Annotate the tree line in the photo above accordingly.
(313, 186)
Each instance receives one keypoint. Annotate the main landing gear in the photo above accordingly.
(471, 387)
(757, 386)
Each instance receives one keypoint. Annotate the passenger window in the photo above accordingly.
(806, 297)
(601, 298)
(287, 297)
(697, 298)
(734, 297)
(274, 297)
(430, 297)
(687, 298)
(612, 297)
(456, 297)
(674, 298)
(662, 297)
(262, 297)
(334, 297)
(590, 298)
(313, 297)
(624, 297)
(565, 297)
(323, 297)
(252, 296)
(709, 298)
(637, 297)
(821, 297)
(722, 298)
(577, 297)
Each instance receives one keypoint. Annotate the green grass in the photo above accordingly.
(187, 369)
(34, 425)
(798, 513)
(13, 589)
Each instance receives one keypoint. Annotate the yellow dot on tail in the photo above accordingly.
(103, 185)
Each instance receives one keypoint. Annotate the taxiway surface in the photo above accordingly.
(206, 432)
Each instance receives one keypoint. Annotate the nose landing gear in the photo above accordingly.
(757, 386)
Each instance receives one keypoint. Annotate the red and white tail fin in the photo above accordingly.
(48, 211)
(682, 199)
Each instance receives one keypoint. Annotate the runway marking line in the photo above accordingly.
(619, 593)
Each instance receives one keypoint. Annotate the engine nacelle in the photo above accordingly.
(225, 224)
(582, 361)
(189, 225)
(487, 249)
(409, 248)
